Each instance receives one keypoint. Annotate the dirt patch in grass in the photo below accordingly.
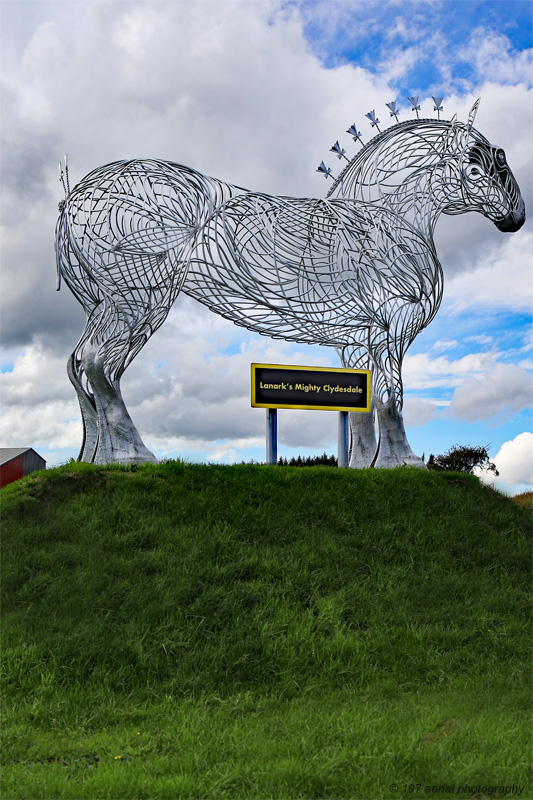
(525, 499)
(445, 729)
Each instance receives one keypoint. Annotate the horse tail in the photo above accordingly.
(63, 177)
(60, 242)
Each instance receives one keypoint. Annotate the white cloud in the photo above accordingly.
(492, 53)
(443, 344)
(417, 412)
(400, 62)
(421, 371)
(37, 377)
(39, 407)
(503, 281)
(225, 454)
(514, 462)
(481, 338)
(504, 390)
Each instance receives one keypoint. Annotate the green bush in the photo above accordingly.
(463, 459)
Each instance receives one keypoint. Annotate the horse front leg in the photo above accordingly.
(118, 441)
(393, 448)
(362, 439)
(362, 431)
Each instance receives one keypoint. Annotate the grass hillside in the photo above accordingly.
(179, 631)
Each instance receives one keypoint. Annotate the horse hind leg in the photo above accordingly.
(81, 384)
(104, 356)
(118, 439)
(89, 416)
(393, 448)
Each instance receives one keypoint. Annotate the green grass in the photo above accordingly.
(250, 632)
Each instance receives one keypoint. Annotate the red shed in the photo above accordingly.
(15, 462)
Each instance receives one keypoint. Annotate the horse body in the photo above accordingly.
(357, 271)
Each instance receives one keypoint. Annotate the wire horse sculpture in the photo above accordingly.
(356, 271)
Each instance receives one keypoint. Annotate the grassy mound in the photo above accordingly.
(273, 632)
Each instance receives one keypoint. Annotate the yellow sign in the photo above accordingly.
(313, 388)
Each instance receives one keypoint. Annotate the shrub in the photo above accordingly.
(463, 459)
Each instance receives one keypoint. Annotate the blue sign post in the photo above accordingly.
(272, 436)
(344, 440)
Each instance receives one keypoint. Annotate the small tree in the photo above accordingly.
(463, 459)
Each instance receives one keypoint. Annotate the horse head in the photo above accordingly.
(423, 168)
(478, 178)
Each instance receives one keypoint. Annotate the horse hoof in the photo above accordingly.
(392, 463)
(359, 463)
(123, 456)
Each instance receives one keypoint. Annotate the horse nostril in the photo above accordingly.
(513, 221)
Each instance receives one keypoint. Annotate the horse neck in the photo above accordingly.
(396, 171)
(414, 200)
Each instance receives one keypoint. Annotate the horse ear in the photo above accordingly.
(473, 112)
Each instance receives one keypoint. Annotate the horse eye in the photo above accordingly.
(500, 157)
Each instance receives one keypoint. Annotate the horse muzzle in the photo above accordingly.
(514, 220)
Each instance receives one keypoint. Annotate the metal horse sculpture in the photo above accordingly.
(357, 271)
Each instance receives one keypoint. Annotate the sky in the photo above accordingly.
(255, 92)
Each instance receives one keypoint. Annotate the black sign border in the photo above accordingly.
(332, 370)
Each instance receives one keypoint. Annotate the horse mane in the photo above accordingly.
(371, 146)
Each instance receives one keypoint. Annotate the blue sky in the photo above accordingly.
(365, 33)
(256, 94)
